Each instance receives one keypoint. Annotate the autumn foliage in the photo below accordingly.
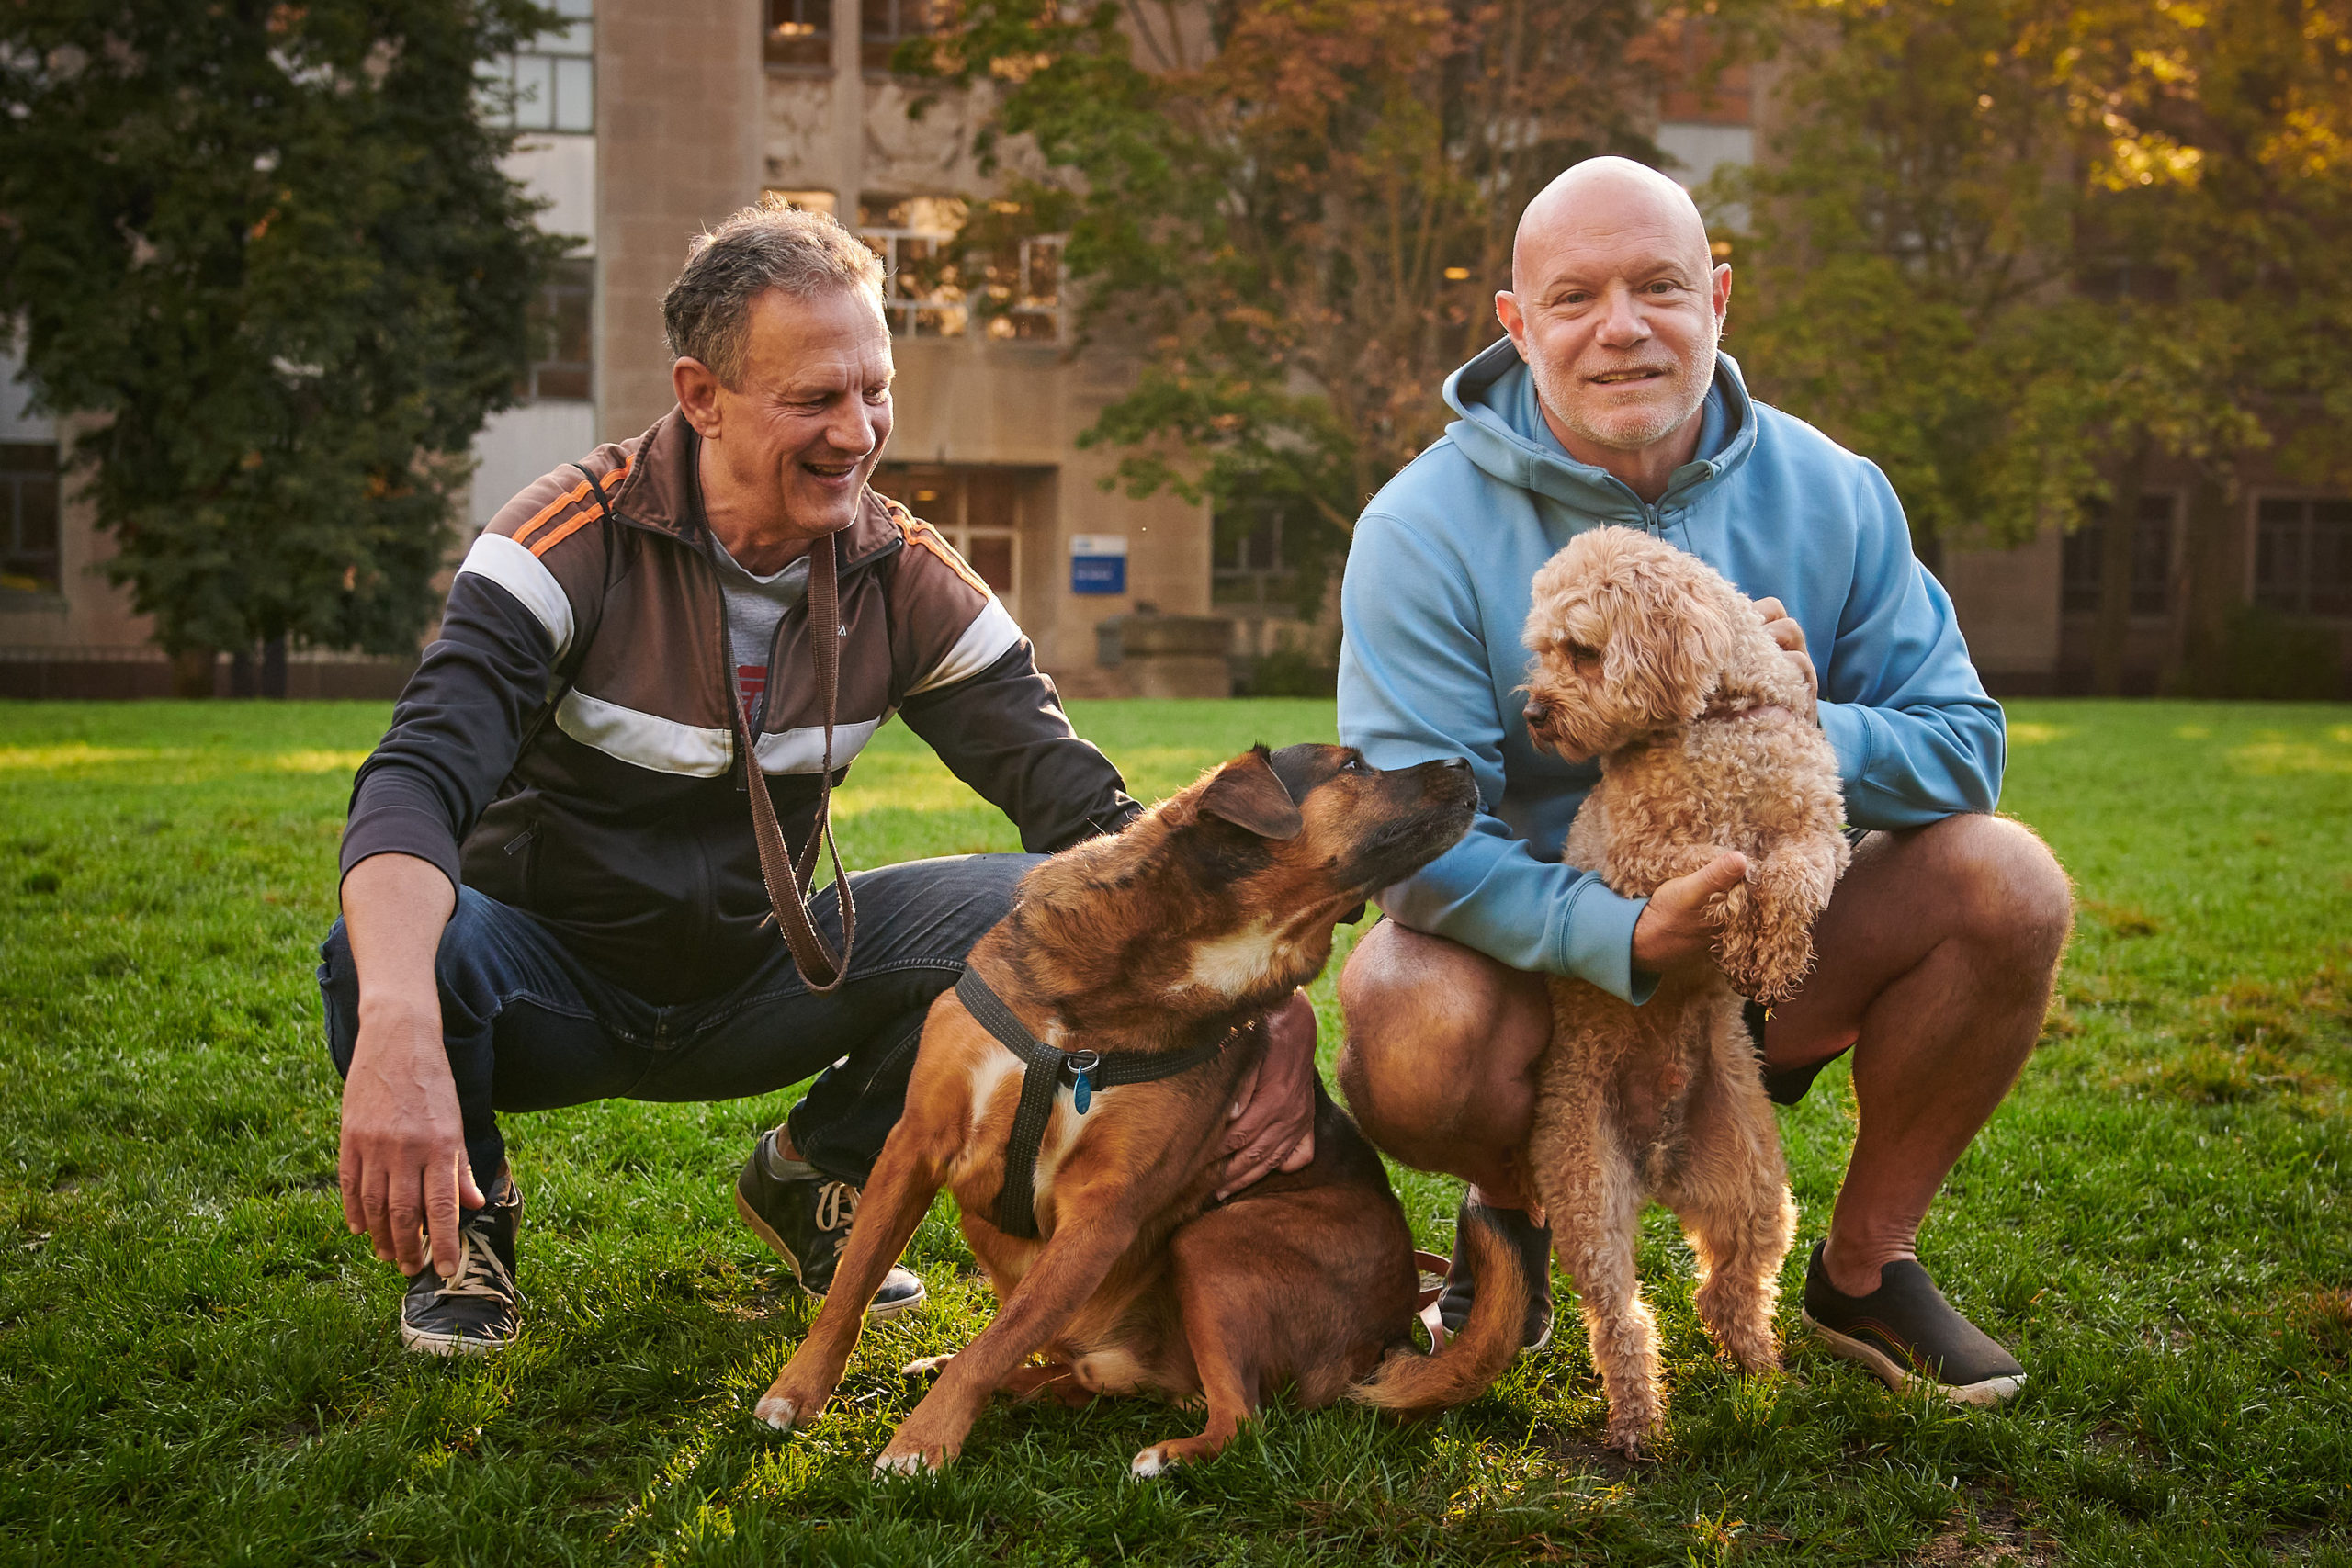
(1296, 211)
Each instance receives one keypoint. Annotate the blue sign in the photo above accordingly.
(1098, 563)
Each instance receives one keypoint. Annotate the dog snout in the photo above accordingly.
(1534, 714)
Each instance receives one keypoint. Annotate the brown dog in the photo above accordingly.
(1648, 660)
(1173, 935)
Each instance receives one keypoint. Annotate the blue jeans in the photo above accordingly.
(530, 1028)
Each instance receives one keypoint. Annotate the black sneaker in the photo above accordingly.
(1532, 1242)
(1907, 1333)
(805, 1216)
(477, 1310)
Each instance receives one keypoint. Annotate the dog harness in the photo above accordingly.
(1041, 1079)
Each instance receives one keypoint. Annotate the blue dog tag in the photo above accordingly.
(1083, 1092)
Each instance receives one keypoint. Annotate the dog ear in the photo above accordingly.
(1246, 794)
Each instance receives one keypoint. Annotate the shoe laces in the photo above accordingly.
(478, 1272)
(836, 1205)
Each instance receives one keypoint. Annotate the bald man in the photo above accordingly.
(1609, 402)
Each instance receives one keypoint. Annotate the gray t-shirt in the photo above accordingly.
(754, 605)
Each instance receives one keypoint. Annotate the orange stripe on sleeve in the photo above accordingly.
(569, 497)
(572, 497)
(559, 536)
(918, 532)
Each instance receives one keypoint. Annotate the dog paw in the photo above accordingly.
(920, 1446)
(930, 1366)
(1155, 1460)
(1635, 1442)
(781, 1414)
(910, 1460)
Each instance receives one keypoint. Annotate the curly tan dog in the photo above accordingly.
(1649, 661)
(1162, 942)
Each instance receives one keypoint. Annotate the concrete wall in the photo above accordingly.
(680, 98)
(2008, 604)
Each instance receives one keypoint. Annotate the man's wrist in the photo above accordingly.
(408, 1025)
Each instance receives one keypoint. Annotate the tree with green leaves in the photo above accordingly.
(268, 250)
(2017, 250)
(1294, 213)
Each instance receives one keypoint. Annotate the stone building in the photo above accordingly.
(644, 123)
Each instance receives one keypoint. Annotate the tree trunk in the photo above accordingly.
(273, 667)
(2213, 567)
(192, 673)
(2112, 636)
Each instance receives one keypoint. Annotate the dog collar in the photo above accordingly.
(1043, 1068)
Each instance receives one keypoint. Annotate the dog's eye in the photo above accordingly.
(1584, 655)
(1353, 765)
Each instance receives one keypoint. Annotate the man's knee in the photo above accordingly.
(2009, 894)
(1435, 1034)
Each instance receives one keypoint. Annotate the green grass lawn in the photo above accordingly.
(199, 1366)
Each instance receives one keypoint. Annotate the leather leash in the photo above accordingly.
(1041, 1079)
(821, 966)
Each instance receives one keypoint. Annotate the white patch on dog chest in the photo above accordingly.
(1234, 966)
(1055, 1144)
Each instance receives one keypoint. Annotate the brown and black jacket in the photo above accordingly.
(568, 727)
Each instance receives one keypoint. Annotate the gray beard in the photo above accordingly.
(1664, 424)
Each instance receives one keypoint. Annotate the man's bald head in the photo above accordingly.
(1616, 305)
(1606, 197)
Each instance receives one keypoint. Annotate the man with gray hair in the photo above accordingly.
(557, 881)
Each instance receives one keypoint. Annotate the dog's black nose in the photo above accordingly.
(1534, 712)
(1459, 764)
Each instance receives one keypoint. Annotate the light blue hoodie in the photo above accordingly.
(1437, 589)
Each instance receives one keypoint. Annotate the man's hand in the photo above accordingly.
(1791, 637)
(403, 1169)
(1273, 1118)
(1677, 930)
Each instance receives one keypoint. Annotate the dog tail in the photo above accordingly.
(1414, 1384)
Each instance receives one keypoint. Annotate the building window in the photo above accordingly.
(2302, 555)
(977, 510)
(1249, 565)
(2084, 551)
(934, 286)
(884, 24)
(1028, 278)
(800, 34)
(561, 335)
(29, 517)
(551, 84)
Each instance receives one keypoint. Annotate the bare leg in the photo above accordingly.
(1438, 1066)
(1935, 962)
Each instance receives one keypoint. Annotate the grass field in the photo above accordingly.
(199, 1366)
